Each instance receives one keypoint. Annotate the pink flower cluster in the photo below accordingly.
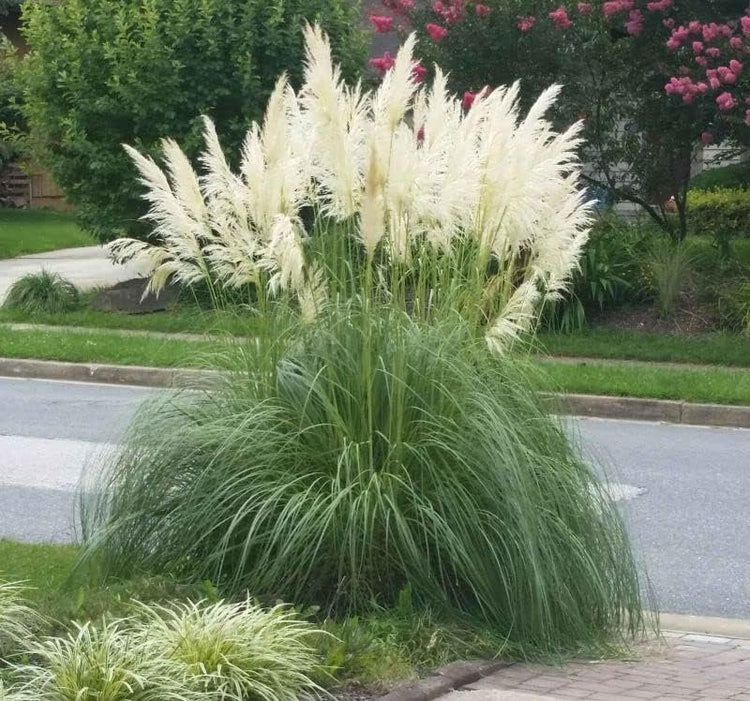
(634, 25)
(452, 11)
(526, 22)
(659, 5)
(381, 23)
(560, 18)
(399, 7)
(382, 64)
(613, 7)
(436, 32)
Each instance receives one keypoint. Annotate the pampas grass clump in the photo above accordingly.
(365, 457)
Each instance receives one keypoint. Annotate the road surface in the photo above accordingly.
(685, 491)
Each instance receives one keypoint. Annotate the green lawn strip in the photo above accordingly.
(103, 347)
(709, 385)
(23, 232)
(184, 318)
(705, 349)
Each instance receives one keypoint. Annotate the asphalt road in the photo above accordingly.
(685, 491)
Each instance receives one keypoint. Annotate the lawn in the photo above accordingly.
(103, 347)
(24, 231)
(715, 385)
(711, 385)
(182, 318)
(704, 349)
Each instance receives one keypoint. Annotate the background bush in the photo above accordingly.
(102, 73)
(736, 175)
(723, 214)
(610, 274)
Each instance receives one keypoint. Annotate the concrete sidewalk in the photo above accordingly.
(87, 267)
(688, 667)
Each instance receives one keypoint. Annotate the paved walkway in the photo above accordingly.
(687, 667)
(87, 267)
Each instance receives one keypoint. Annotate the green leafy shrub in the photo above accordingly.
(44, 292)
(346, 467)
(734, 176)
(723, 214)
(609, 275)
(103, 73)
(733, 306)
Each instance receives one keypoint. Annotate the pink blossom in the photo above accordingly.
(702, 87)
(735, 66)
(668, 23)
(695, 27)
(585, 8)
(715, 83)
(383, 63)
(634, 25)
(710, 32)
(526, 23)
(707, 138)
(436, 32)
(382, 23)
(418, 72)
(400, 7)
(482, 10)
(468, 99)
(726, 76)
(612, 7)
(697, 46)
(713, 52)
(747, 118)
(736, 43)
(726, 101)
(745, 22)
(659, 5)
(701, 61)
(560, 18)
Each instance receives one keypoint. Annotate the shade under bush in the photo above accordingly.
(369, 455)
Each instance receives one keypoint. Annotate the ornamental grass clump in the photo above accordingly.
(17, 619)
(372, 444)
(234, 651)
(103, 662)
(362, 458)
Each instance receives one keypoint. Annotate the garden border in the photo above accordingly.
(597, 406)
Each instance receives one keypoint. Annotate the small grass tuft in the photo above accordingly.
(42, 292)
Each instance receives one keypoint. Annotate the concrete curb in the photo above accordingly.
(571, 404)
(636, 409)
(735, 628)
(444, 680)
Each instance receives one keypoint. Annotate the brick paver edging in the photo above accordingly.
(570, 404)
(684, 666)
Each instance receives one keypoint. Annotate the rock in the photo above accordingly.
(126, 297)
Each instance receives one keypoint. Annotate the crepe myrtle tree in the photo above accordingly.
(623, 74)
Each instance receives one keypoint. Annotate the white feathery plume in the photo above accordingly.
(414, 171)
(516, 317)
(338, 129)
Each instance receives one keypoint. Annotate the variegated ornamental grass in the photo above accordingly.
(397, 194)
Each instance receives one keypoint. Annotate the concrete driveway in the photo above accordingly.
(87, 267)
